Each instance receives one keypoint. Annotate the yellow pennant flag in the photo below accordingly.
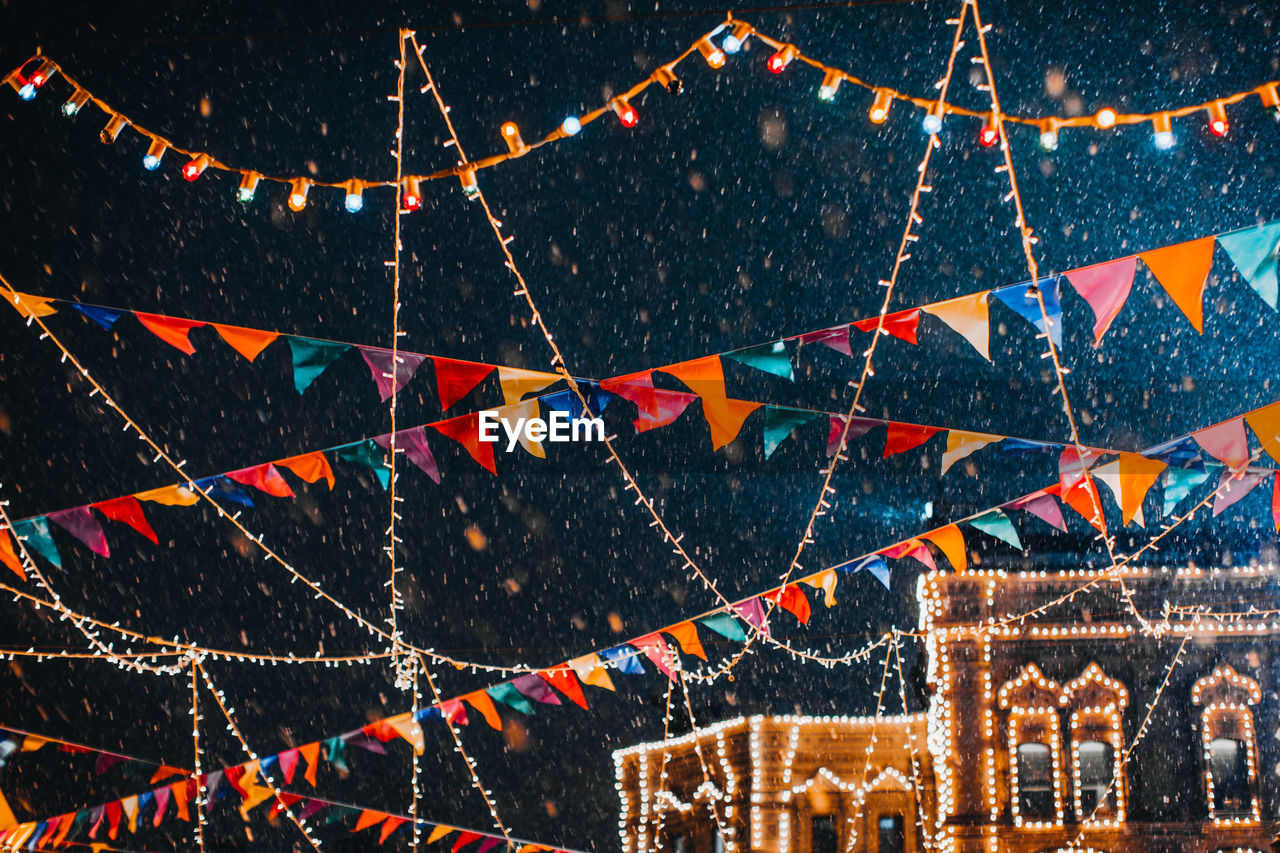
(407, 727)
(961, 444)
(967, 316)
(439, 832)
(591, 672)
(825, 581)
(31, 743)
(255, 794)
(130, 807)
(515, 383)
(30, 306)
(512, 415)
(170, 496)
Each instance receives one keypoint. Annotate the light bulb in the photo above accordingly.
(665, 77)
(75, 103)
(248, 186)
(1218, 124)
(1105, 118)
(112, 130)
(712, 54)
(195, 167)
(988, 136)
(42, 73)
(467, 177)
(411, 194)
(735, 40)
(1270, 95)
(1049, 139)
(155, 152)
(511, 136)
(1163, 132)
(627, 115)
(931, 124)
(779, 61)
(830, 83)
(571, 126)
(880, 106)
(298, 189)
(354, 202)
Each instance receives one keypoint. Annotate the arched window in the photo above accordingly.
(822, 835)
(1097, 702)
(1230, 751)
(1035, 748)
(891, 834)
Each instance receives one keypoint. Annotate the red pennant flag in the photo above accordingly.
(311, 467)
(837, 339)
(455, 379)
(264, 478)
(484, 704)
(1226, 442)
(793, 600)
(369, 818)
(289, 764)
(466, 431)
(1182, 271)
(128, 511)
(454, 711)
(901, 324)
(465, 838)
(658, 407)
(248, 342)
(390, 825)
(564, 681)
(9, 556)
(904, 437)
(1105, 287)
(687, 636)
(172, 330)
(114, 811)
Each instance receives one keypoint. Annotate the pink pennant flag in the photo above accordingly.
(264, 478)
(1105, 287)
(753, 613)
(657, 407)
(656, 649)
(1072, 465)
(80, 523)
(857, 429)
(289, 764)
(379, 361)
(1043, 507)
(837, 339)
(1231, 490)
(1226, 442)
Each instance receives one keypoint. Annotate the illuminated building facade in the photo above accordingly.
(1030, 741)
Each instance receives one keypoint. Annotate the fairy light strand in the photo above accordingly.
(198, 776)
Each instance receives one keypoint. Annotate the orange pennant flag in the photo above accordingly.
(165, 771)
(9, 556)
(1182, 271)
(182, 793)
(1265, 423)
(369, 818)
(170, 496)
(704, 376)
(466, 431)
(1082, 496)
(30, 306)
(591, 672)
(482, 703)
(439, 832)
(725, 418)
(793, 600)
(172, 330)
(407, 727)
(969, 317)
(687, 636)
(248, 342)
(311, 467)
(515, 383)
(1137, 475)
(824, 580)
(311, 752)
(950, 542)
(390, 825)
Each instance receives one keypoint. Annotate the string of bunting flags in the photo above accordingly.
(1225, 442)
(734, 37)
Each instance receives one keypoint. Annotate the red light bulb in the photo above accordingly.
(627, 115)
(411, 195)
(777, 62)
(1218, 124)
(988, 136)
(195, 167)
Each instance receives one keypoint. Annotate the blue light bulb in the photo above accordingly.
(932, 124)
(354, 202)
(731, 44)
(150, 162)
(1163, 139)
(27, 92)
(571, 125)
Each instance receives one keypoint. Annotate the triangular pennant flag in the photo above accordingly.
(335, 748)
(824, 580)
(114, 813)
(996, 523)
(172, 330)
(515, 383)
(369, 818)
(1020, 299)
(525, 411)
(30, 306)
(836, 338)
(874, 564)
(704, 376)
(780, 423)
(390, 825)
(410, 730)
(961, 444)
(439, 832)
(793, 600)
(969, 317)
(105, 761)
(1082, 496)
(80, 523)
(1072, 465)
(1182, 271)
(34, 532)
(9, 555)
(482, 703)
(128, 511)
(509, 696)
(455, 379)
(1179, 453)
(858, 427)
(904, 437)
(752, 612)
(1105, 287)
(289, 764)
(311, 467)
(488, 844)
(657, 407)
(387, 380)
(1232, 489)
(563, 680)
(725, 418)
(950, 542)
(771, 358)
(535, 688)
(1109, 476)
(921, 554)
(367, 454)
(414, 444)
(1137, 475)
(104, 317)
(221, 487)
(1043, 506)
(900, 324)
(1018, 446)
(1178, 483)
(656, 649)
(170, 496)
(311, 358)
(466, 431)
(452, 710)
(589, 671)
(687, 636)
(625, 658)
(465, 838)
(724, 624)
(1265, 423)
(1226, 442)
(248, 342)
(129, 805)
(265, 478)
(1253, 251)
(311, 754)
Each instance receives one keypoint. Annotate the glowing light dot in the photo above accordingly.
(571, 126)
(932, 124)
(1106, 117)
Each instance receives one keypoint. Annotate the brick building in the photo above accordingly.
(1027, 741)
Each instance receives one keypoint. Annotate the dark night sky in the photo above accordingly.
(743, 210)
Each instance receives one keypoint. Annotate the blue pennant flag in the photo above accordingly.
(104, 317)
(1028, 307)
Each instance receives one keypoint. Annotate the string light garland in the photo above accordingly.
(198, 776)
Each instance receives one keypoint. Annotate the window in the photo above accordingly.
(718, 843)
(1229, 768)
(1097, 767)
(1230, 747)
(822, 836)
(892, 839)
(1035, 781)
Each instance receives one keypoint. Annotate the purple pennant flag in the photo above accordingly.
(1043, 507)
(488, 844)
(1232, 491)
(753, 613)
(212, 783)
(857, 429)
(414, 443)
(379, 361)
(365, 742)
(80, 523)
(310, 808)
(536, 689)
(837, 339)
(105, 762)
